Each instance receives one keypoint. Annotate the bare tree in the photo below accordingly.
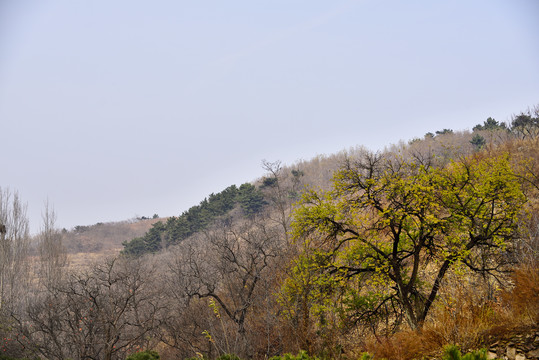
(14, 244)
(278, 193)
(105, 312)
(228, 264)
(53, 254)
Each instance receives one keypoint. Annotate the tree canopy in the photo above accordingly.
(176, 229)
(388, 232)
(490, 124)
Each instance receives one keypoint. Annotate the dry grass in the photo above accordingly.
(522, 302)
(468, 321)
(105, 237)
(81, 260)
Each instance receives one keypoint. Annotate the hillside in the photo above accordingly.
(141, 236)
(315, 173)
(105, 237)
(399, 253)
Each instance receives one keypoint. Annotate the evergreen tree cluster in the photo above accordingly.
(248, 197)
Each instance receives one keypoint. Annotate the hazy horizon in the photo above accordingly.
(112, 110)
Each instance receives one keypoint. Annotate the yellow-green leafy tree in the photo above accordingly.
(383, 239)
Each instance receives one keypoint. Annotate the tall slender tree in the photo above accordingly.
(14, 246)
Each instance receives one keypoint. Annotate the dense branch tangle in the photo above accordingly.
(390, 229)
(228, 265)
(103, 312)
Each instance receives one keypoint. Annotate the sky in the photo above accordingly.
(116, 109)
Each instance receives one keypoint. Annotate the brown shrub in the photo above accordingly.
(523, 300)
(404, 345)
(467, 319)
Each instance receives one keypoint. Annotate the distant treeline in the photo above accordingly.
(247, 197)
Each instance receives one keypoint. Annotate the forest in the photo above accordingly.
(427, 249)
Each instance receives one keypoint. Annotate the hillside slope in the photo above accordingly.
(428, 243)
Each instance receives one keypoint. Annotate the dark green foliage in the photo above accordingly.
(251, 199)
(135, 247)
(144, 355)
(153, 237)
(269, 182)
(149, 243)
(490, 124)
(478, 141)
(526, 124)
(444, 131)
(80, 229)
(452, 352)
(524, 120)
(294, 193)
(297, 173)
(196, 219)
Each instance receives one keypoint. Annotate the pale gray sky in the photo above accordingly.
(117, 108)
